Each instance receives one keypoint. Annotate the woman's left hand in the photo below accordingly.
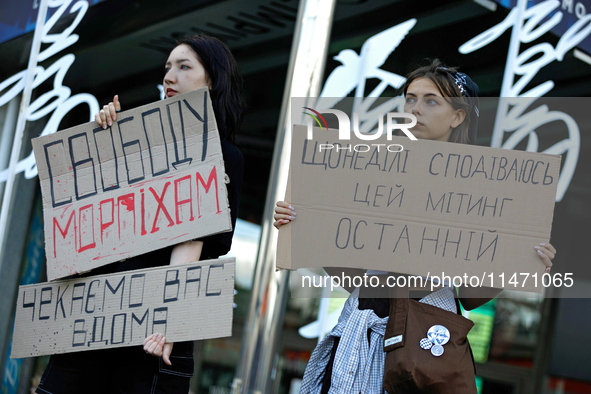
(546, 253)
(182, 253)
(284, 214)
(156, 345)
(108, 114)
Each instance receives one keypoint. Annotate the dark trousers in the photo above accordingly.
(120, 370)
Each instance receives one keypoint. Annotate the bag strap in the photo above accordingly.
(396, 326)
(458, 307)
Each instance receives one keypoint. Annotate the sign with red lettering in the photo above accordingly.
(182, 302)
(154, 178)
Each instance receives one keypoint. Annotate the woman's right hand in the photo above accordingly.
(284, 214)
(156, 345)
(108, 114)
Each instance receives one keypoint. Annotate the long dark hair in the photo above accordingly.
(442, 77)
(226, 90)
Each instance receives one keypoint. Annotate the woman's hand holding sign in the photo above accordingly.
(108, 114)
(284, 213)
(546, 253)
(156, 345)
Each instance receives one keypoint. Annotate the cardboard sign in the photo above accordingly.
(153, 179)
(183, 302)
(429, 209)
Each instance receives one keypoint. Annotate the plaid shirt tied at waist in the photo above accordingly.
(358, 366)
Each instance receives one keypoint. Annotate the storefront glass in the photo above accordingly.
(121, 50)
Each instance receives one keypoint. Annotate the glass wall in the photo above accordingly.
(121, 49)
(511, 339)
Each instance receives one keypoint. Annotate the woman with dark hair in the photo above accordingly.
(225, 82)
(351, 357)
(160, 366)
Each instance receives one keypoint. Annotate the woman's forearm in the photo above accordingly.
(186, 252)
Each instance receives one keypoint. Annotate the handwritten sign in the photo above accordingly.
(433, 207)
(182, 302)
(153, 179)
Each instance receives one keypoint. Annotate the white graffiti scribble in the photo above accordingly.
(526, 27)
(354, 71)
(57, 100)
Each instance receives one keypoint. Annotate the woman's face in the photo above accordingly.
(183, 72)
(436, 118)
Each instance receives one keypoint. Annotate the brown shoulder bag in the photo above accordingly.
(427, 350)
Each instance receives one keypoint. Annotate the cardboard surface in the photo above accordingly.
(153, 179)
(183, 302)
(433, 208)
